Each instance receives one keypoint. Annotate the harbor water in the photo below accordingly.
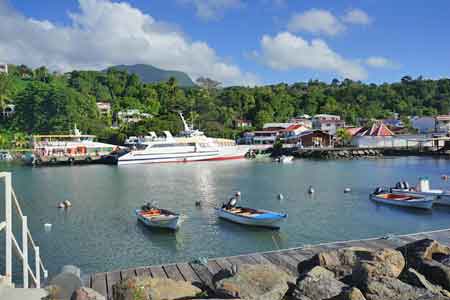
(101, 233)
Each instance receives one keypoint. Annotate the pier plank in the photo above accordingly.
(260, 259)
(143, 271)
(112, 278)
(188, 273)
(203, 273)
(173, 272)
(124, 274)
(158, 271)
(224, 263)
(213, 267)
(98, 283)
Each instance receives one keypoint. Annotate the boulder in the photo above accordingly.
(361, 261)
(383, 262)
(85, 293)
(252, 282)
(350, 294)
(317, 284)
(147, 288)
(423, 256)
(424, 249)
(435, 272)
(341, 262)
(388, 288)
(416, 279)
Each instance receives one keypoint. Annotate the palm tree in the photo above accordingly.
(20, 140)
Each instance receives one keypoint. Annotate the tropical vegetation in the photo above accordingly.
(48, 102)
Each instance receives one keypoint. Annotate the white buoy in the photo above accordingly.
(347, 190)
(47, 227)
(311, 190)
(280, 196)
(61, 205)
(67, 203)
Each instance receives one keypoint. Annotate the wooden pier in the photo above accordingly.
(287, 259)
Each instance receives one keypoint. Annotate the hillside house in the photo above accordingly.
(327, 123)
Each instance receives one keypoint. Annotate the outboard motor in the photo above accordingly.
(398, 185)
(378, 191)
(407, 185)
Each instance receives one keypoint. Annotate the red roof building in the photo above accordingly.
(377, 129)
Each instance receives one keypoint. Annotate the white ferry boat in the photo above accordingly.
(69, 148)
(192, 145)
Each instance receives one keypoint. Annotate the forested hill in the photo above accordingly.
(151, 74)
(50, 103)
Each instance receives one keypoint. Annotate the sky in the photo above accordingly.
(237, 42)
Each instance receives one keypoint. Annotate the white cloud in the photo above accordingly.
(212, 9)
(379, 62)
(286, 51)
(357, 16)
(317, 21)
(105, 33)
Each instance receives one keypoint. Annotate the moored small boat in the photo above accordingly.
(422, 188)
(252, 217)
(405, 200)
(158, 218)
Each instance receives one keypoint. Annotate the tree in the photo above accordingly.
(343, 136)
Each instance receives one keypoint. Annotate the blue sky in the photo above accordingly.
(235, 41)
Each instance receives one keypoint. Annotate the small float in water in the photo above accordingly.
(155, 217)
(250, 216)
(422, 188)
(284, 159)
(398, 199)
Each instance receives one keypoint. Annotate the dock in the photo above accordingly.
(286, 259)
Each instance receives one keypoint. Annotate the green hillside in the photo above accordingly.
(150, 74)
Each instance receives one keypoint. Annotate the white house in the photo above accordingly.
(132, 116)
(8, 111)
(327, 123)
(104, 107)
(443, 123)
(3, 68)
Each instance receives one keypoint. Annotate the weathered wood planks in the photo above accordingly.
(286, 259)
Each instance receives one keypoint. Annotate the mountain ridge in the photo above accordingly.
(152, 74)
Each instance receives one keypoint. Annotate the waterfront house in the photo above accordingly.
(424, 125)
(327, 123)
(246, 138)
(311, 139)
(132, 116)
(268, 136)
(242, 123)
(3, 68)
(304, 120)
(104, 108)
(443, 124)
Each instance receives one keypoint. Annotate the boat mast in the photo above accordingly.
(186, 126)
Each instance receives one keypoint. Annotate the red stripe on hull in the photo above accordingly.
(192, 161)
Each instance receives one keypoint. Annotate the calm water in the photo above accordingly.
(101, 233)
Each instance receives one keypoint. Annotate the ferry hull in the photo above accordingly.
(132, 159)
